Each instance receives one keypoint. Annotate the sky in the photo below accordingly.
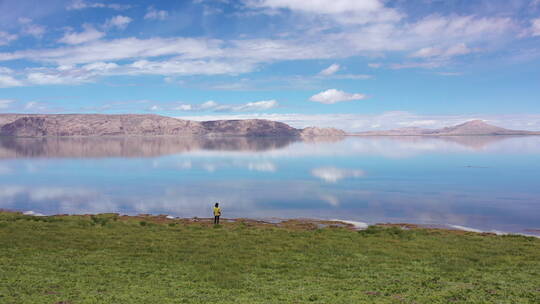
(351, 64)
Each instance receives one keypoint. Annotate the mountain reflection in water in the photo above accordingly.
(95, 147)
(485, 182)
(132, 146)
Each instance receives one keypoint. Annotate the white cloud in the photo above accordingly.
(119, 49)
(100, 66)
(421, 64)
(35, 30)
(332, 69)
(217, 107)
(153, 14)
(333, 174)
(5, 103)
(120, 22)
(257, 106)
(432, 41)
(535, 27)
(4, 70)
(332, 96)
(88, 34)
(7, 81)
(322, 6)
(443, 31)
(363, 40)
(455, 50)
(6, 38)
(32, 29)
(81, 4)
(56, 78)
(448, 28)
(73, 74)
(185, 67)
(344, 11)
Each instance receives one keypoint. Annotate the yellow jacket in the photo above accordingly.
(217, 211)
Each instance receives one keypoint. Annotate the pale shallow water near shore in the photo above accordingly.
(487, 183)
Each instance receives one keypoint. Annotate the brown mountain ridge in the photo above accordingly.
(58, 125)
(55, 125)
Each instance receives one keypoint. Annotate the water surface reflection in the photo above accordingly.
(487, 182)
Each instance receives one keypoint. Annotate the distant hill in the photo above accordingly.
(54, 125)
(470, 128)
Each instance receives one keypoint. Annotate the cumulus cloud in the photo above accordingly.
(217, 107)
(334, 175)
(257, 105)
(333, 96)
(154, 14)
(332, 69)
(120, 22)
(88, 34)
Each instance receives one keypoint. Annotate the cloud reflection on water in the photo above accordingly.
(409, 179)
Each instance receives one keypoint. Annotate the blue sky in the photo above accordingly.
(353, 64)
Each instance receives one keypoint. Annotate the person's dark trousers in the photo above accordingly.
(216, 219)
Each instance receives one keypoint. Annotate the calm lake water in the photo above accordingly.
(485, 183)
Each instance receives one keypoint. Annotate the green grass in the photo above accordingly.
(106, 259)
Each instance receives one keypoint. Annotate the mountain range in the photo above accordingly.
(470, 128)
(55, 125)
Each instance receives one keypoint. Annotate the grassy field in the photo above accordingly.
(110, 259)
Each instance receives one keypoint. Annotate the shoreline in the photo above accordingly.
(296, 223)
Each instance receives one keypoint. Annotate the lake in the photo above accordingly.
(487, 183)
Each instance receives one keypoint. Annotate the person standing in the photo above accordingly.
(217, 213)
